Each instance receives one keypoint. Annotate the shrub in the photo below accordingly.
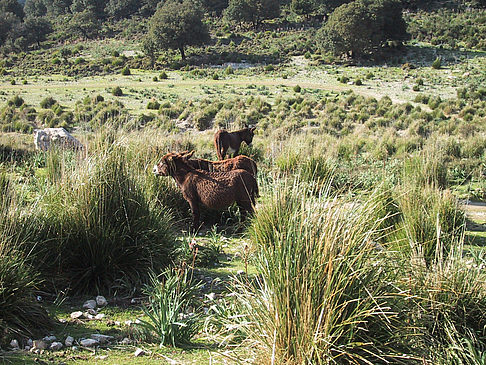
(13, 82)
(16, 101)
(437, 64)
(358, 82)
(163, 76)
(95, 231)
(172, 317)
(117, 91)
(269, 68)
(318, 298)
(297, 89)
(56, 61)
(229, 71)
(125, 71)
(154, 105)
(79, 61)
(47, 102)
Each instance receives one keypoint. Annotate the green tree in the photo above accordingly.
(12, 6)
(121, 8)
(176, 25)
(36, 29)
(8, 22)
(97, 7)
(84, 24)
(362, 27)
(251, 11)
(303, 7)
(35, 8)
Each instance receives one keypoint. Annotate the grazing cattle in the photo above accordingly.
(238, 162)
(44, 139)
(230, 142)
(215, 190)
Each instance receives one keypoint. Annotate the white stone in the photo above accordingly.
(99, 316)
(56, 346)
(14, 344)
(77, 315)
(27, 348)
(92, 312)
(69, 341)
(89, 304)
(45, 138)
(125, 341)
(49, 338)
(88, 342)
(101, 301)
(102, 338)
(139, 352)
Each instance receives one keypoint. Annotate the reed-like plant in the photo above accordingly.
(324, 293)
(95, 228)
(172, 316)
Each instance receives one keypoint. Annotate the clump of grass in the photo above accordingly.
(323, 287)
(95, 228)
(117, 91)
(172, 316)
(125, 71)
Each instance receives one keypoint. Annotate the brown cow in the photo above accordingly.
(238, 162)
(230, 142)
(215, 190)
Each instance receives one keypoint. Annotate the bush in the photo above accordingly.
(297, 89)
(163, 76)
(358, 82)
(172, 313)
(153, 105)
(437, 64)
(125, 71)
(314, 260)
(16, 101)
(48, 102)
(117, 91)
(95, 231)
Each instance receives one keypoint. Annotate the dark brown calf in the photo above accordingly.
(230, 142)
(215, 190)
(238, 162)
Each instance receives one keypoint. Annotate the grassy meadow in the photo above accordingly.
(367, 242)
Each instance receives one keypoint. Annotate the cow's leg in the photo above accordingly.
(195, 214)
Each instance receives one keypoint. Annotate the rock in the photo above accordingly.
(139, 352)
(30, 342)
(99, 316)
(77, 315)
(27, 348)
(125, 341)
(69, 341)
(137, 321)
(39, 345)
(88, 342)
(45, 138)
(92, 312)
(63, 321)
(49, 339)
(89, 304)
(14, 344)
(101, 301)
(102, 339)
(128, 322)
(56, 346)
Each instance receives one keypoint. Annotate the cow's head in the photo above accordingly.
(248, 134)
(170, 162)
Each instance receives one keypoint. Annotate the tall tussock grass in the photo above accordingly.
(20, 313)
(94, 230)
(324, 294)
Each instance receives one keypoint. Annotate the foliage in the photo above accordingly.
(253, 12)
(362, 27)
(172, 318)
(176, 25)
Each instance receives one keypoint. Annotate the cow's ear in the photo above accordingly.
(188, 155)
(252, 129)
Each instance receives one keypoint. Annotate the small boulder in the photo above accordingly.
(88, 342)
(102, 339)
(101, 301)
(89, 304)
(125, 341)
(77, 315)
(49, 339)
(69, 341)
(56, 346)
(99, 316)
(139, 352)
(92, 312)
(14, 344)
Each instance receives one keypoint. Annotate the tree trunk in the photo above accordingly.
(183, 55)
